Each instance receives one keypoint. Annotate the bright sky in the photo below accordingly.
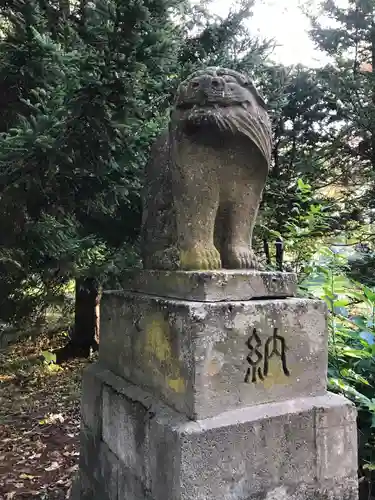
(283, 21)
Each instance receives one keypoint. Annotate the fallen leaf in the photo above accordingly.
(26, 476)
(38, 461)
(53, 466)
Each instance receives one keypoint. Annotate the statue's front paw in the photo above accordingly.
(241, 257)
(200, 257)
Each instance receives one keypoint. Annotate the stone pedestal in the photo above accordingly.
(214, 389)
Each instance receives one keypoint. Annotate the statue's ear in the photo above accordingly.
(251, 87)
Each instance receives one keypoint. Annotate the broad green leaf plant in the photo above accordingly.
(351, 323)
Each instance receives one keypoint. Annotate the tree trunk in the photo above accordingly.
(86, 320)
(85, 334)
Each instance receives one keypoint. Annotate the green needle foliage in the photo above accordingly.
(85, 89)
(81, 103)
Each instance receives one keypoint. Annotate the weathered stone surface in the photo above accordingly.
(203, 358)
(84, 488)
(211, 286)
(254, 453)
(91, 400)
(108, 473)
(131, 487)
(89, 485)
(89, 451)
(301, 449)
(124, 430)
(343, 489)
(206, 175)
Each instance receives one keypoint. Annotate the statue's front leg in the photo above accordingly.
(241, 213)
(196, 199)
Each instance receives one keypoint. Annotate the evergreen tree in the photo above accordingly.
(227, 42)
(128, 47)
(300, 113)
(74, 142)
(30, 77)
(349, 80)
(99, 80)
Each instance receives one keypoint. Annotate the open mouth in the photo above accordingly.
(206, 106)
(201, 118)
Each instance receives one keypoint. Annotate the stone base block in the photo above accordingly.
(211, 286)
(301, 449)
(203, 358)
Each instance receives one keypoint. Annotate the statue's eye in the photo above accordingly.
(195, 85)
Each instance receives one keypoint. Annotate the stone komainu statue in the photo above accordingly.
(206, 174)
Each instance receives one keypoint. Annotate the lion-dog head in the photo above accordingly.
(223, 100)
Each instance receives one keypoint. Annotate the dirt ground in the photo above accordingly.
(39, 421)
